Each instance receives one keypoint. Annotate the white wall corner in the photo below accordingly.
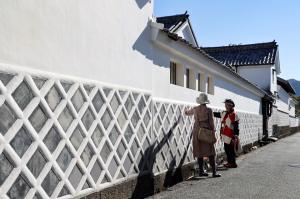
(155, 28)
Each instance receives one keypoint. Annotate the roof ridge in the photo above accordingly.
(243, 46)
(177, 15)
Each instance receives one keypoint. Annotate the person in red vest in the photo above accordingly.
(229, 131)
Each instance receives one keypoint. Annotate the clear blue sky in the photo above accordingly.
(217, 22)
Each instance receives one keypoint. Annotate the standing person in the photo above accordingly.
(229, 131)
(203, 119)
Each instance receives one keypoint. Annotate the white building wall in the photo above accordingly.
(101, 40)
(245, 100)
(282, 102)
(185, 32)
(260, 75)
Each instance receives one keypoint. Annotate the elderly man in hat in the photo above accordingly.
(229, 131)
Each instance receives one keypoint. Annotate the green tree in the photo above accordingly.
(297, 105)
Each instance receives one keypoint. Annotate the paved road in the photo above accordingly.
(271, 172)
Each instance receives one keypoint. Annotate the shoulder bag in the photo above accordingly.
(206, 135)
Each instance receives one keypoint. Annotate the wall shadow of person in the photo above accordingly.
(146, 182)
(174, 174)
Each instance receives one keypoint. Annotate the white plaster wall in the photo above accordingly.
(260, 75)
(292, 111)
(282, 102)
(186, 33)
(273, 86)
(101, 40)
(245, 100)
(284, 119)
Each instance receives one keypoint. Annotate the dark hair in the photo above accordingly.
(230, 101)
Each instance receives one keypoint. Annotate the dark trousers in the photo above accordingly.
(229, 150)
(212, 162)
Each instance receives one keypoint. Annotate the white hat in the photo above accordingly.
(202, 99)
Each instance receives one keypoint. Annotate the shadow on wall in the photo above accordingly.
(144, 45)
(141, 3)
(146, 182)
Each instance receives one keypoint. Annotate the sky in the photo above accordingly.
(224, 22)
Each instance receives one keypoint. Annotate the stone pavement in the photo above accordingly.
(272, 171)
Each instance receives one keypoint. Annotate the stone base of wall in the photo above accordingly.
(146, 185)
(283, 131)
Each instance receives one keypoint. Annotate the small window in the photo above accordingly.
(187, 78)
(173, 73)
(210, 86)
(273, 75)
(199, 82)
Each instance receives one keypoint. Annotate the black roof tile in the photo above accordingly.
(171, 21)
(244, 55)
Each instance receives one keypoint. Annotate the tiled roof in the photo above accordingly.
(171, 22)
(244, 55)
(285, 85)
(175, 37)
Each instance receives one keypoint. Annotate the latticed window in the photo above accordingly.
(172, 72)
(187, 79)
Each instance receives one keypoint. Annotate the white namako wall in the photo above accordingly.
(100, 40)
(260, 75)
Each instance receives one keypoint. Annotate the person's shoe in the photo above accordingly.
(229, 165)
(216, 175)
(203, 174)
(226, 164)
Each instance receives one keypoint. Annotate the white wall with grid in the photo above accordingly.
(63, 137)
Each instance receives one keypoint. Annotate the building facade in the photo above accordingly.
(92, 94)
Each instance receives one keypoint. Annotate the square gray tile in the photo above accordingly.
(113, 166)
(37, 163)
(114, 134)
(5, 168)
(52, 139)
(128, 133)
(88, 119)
(134, 147)
(98, 101)
(7, 118)
(147, 119)
(21, 142)
(75, 176)
(96, 171)
(77, 137)
(121, 149)
(127, 164)
(105, 152)
(50, 182)
(19, 189)
(23, 95)
(87, 154)
(129, 104)
(38, 118)
(64, 159)
(78, 100)
(97, 136)
(65, 119)
(141, 105)
(122, 119)
(115, 103)
(135, 118)
(53, 98)
(106, 118)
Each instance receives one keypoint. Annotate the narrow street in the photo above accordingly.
(272, 171)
